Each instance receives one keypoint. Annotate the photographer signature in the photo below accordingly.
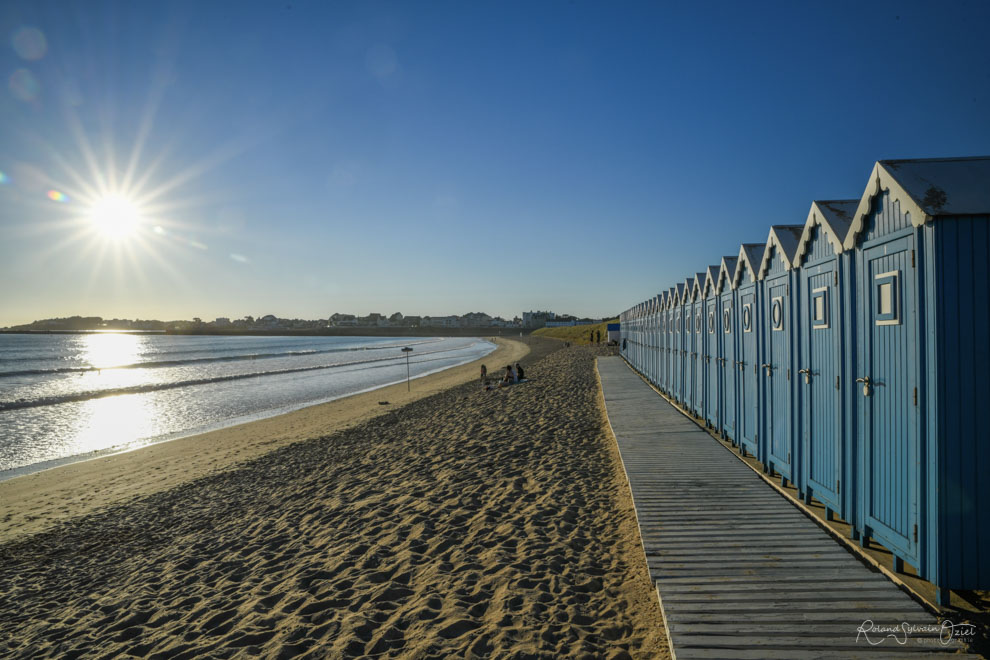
(875, 633)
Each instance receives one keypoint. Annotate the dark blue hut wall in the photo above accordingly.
(960, 263)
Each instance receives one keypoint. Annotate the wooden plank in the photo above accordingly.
(740, 571)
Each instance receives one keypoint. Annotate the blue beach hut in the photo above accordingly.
(727, 370)
(748, 327)
(678, 331)
(697, 405)
(713, 348)
(671, 343)
(921, 242)
(778, 332)
(687, 324)
(819, 348)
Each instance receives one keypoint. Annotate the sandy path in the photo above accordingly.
(467, 524)
(35, 502)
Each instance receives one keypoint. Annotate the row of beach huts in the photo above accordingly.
(850, 355)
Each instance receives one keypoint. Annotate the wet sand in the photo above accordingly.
(464, 524)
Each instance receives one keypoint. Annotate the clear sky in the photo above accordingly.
(169, 160)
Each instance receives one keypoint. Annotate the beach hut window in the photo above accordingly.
(887, 308)
(727, 320)
(777, 313)
(711, 322)
(748, 317)
(819, 308)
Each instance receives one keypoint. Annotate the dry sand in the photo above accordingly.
(468, 523)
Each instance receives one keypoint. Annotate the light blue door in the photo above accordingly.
(817, 383)
(748, 372)
(888, 413)
(776, 377)
(678, 362)
(729, 371)
(701, 348)
(713, 357)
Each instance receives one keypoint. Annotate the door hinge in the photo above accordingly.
(838, 487)
(915, 532)
(835, 277)
(788, 374)
(836, 382)
(912, 258)
(916, 396)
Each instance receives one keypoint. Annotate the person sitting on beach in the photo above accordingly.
(519, 371)
(507, 378)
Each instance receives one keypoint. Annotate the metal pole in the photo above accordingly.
(407, 351)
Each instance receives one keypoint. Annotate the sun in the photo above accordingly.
(115, 216)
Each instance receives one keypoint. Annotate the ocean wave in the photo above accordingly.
(157, 364)
(155, 387)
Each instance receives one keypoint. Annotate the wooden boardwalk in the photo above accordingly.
(740, 571)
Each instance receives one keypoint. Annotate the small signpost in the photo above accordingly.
(407, 351)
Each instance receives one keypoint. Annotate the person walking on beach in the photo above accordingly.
(598, 336)
(484, 374)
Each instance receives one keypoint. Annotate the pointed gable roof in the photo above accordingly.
(671, 296)
(679, 293)
(927, 188)
(750, 255)
(699, 285)
(688, 295)
(711, 281)
(726, 272)
(785, 238)
(834, 217)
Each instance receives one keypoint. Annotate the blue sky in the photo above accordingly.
(305, 158)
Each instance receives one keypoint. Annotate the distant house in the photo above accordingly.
(533, 319)
(476, 320)
(440, 322)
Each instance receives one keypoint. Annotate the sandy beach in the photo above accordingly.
(461, 523)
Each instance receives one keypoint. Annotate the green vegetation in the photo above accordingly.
(577, 334)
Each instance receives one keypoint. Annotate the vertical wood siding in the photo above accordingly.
(963, 442)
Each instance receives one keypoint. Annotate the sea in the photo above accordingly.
(65, 398)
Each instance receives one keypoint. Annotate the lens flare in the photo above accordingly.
(4, 178)
(30, 43)
(23, 85)
(56, 196)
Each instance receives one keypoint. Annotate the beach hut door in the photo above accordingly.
(888, 418)
(820, 418)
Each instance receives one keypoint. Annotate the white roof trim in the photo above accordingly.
(821, 214)
(881, 180)
(725, 273)
(711, 282)
(743, 261)
(785, 239)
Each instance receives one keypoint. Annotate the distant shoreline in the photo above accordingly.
(309, 332)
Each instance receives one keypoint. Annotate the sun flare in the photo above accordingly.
(115, 216)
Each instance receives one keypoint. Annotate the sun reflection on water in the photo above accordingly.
(114, 421)
(111, 350)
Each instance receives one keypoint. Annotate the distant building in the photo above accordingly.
(476, 320)
(533, 319)
(440, 322)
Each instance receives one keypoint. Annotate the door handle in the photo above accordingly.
(807, 375)
(866, 385)
(769, 368)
